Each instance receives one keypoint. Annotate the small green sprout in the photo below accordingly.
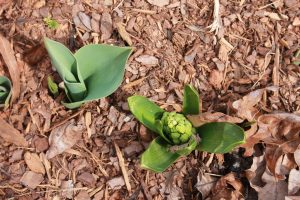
(5, 91)
(53, 87)
(51, 23)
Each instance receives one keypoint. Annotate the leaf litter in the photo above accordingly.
(71, 155)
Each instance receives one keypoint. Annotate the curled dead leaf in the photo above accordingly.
(63, 138)
(198, 120)
(294, 182)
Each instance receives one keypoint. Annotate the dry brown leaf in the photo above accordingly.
(34, 163)
(274, 189)
(63, 138)
(12, 135)
(258, 168)
(159, 3)
(122, 31)
(294, 182)
(246, 106)
(222, 189)
(12, 65)
(205, 184)
(198, 120)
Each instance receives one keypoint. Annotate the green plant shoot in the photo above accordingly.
(176, 134)
(5, 91)
(93, 72)
(52, 86)
(51, 23)
(297, 56)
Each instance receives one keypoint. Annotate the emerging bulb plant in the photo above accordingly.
(176, 134)
(177, 128)
(93, 72)
(5, 91)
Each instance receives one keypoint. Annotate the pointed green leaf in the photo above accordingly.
(158, 157)
(53, 87)
(5, 91)
(191, 104)
(297, 55)
(220, 137)
(93, 72)
(147, 112)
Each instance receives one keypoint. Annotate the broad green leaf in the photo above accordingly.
(93, 72)
(220, 137)
(297, 55)
(158, 157)
(53, 87)
(191, 104)
(148, 113)
(5, 91)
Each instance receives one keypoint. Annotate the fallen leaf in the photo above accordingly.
(82, 195)
(87, 179)
(274, 189)
(63, 137)
(223, 187)
(147, 60)
(34, 163)
(198, 120)
(246, 106)
(12, 135)
(159, 3)
(31, 179)
(12, 65)
(294, 182)
(205, 184)
(258, 168)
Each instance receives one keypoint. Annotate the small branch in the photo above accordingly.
(216, 25)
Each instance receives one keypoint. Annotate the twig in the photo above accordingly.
(216, 25)
(96, 160)
(122, 166)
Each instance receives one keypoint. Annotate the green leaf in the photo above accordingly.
(93, 72)
(191, 104)
(51, 23)
(220, 137)
(147, 112)
(52, 86)
(160, 154)
(5, 91)
(158, 157)
(297, 55)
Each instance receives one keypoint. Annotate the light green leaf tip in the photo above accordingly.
(5, 91)
(53, 87)
(297, 55)
(93, 72)
(220, 137)
(191, 103)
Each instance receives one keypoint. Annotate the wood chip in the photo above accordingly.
(122, 166)
(34, 163)
(12, 135)
(12, 65)
(88, 122)
(122, 31)
(31, 179)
